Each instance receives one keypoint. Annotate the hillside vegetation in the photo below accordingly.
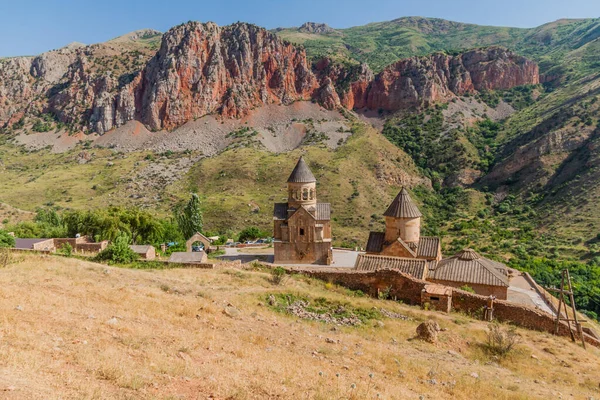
(212, 333)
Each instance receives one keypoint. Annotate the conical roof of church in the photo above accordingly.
(403, 207)
(301, 173)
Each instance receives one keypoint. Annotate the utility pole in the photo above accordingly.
(566, 288)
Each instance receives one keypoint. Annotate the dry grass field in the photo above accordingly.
(70, 329)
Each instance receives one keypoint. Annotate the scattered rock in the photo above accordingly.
(329, 340)
(19, 308)
(272, 301)
(391, 314)
(231, 311)
(112, 321)
(474, 375)
(379, 324)
(428, 331)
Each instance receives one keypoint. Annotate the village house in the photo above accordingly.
(302, 226)
(401, 247)
(145, 252)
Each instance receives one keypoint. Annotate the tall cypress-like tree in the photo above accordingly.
(189, 217)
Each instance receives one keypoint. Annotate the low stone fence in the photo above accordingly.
(30, 251)
(401, 286)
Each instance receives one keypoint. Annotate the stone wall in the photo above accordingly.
(401, 286)
(500, 292)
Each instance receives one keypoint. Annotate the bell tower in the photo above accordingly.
(403, 219)
(302, 186)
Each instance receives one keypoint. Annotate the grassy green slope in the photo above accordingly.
(382, 43)
(359, 179)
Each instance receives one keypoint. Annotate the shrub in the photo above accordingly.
(118, 251)
(6, 240)
(278, 276)
(500, 341)
(5, 257)
(251, 233)
(66, 249)
(467, 288)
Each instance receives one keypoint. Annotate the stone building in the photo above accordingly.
(402, 236)
(401, 247)
(302, 226)
(467, 268)
(145, 252)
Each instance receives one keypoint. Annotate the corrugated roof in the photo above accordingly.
(301, 173)
(412, 266)
(403, 207)
(428, 247)
(280, 211)
(27, 243)
(469, 267)
(375, 242)
(140, 248)
(323, 212)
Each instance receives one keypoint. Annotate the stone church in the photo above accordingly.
(402, 236)
(302, 226)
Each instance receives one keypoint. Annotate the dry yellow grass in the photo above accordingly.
(73, 329)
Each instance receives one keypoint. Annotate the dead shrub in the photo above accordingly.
(5, 257)
(278, 276)
(500, 341)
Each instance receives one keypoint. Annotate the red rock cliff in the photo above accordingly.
(202, 69)
(436, 78)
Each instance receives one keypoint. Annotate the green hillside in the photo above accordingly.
(382, 43)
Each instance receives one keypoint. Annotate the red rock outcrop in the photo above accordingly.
(202, 69)
(206, 69)
(419, 81)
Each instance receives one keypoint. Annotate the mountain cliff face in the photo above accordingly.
(206, 69)
(437, 78)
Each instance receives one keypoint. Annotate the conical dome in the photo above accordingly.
(468, 254)
(301, 173)
(403, 207)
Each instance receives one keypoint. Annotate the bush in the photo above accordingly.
(6, 240)
(66, 249)
(500, 341)
(5, 257)
(251, 233)
(278, 275)
(467, 288)
(118, 251)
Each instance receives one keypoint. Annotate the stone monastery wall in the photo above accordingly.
(404, 287)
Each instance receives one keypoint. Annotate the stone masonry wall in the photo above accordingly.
(408, 289)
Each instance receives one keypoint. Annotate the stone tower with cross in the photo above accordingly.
(302, 226)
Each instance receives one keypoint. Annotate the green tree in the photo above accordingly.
(251, 233)
(6, 240)
(189, 217)
(118, 251)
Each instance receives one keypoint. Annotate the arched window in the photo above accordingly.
(312, 194)
(305, 194)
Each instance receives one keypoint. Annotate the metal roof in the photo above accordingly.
(301, 173)
(403, 207)
(141, 248)
(412, 266)
(280, 211)
(322, 211)
(469, 267)
(429, 247)
(27, 243)
(375, 242)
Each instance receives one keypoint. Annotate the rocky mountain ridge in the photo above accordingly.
(203, 69)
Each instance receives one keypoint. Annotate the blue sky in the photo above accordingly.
(34, 26)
